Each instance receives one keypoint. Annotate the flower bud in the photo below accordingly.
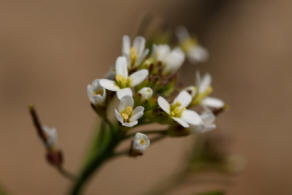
(140, 143)
(146, 93)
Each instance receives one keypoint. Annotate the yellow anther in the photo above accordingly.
(202, 95)
(176, 110)
(142, 141)
(134, 55)
(98, 92)
(123, 82)
(127, 113)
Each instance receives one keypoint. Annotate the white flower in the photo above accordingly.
(136, 53)
(96, 93)
(178, 112)
(126, 114)
(204, 88)
(146, 93)
(123, 82)
(194, 51)
(172, 59)
(140, 143)
(208, 119)
(51, 135)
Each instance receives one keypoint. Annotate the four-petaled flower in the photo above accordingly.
(123, 82)
(194, 51)
(135, 54)
(204, 89)
(178, 112)
(126, 114)
(96, 93)
(172, 59)
(140, 143)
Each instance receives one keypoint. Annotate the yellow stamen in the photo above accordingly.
(202, 95)
(134, 55)
(123, 82)
(127, 113)
(142, 141)
(176, 110)
(98, 92)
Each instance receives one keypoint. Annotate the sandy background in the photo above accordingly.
(50, 51)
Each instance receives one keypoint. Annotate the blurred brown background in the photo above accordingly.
(50, 51)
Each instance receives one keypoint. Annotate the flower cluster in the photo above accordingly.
(145, 82)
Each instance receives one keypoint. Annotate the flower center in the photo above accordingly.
(134, 55)
(98, 92)
(176, 110)
(142, 141)
(187, 44)
(123, 82)
(127, 113)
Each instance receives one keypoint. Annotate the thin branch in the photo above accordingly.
(66, 173)
(37, 123)
(38, 126)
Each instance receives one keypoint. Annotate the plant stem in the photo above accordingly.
(66, 173)
(94, 165)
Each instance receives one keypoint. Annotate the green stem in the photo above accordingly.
(93, 166)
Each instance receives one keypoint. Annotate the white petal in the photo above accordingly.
(191, 117)
(163, 104)
(181, 122)
(198, 54)
(203, 128)
(138, 77)
(130, 124)
(126, 47)
(124, 92)
(184, 98)
(122, 66)
(182, 33)
(90, 93)
(118, 116)
(109, 85)
(205, 83)
(160, 52)
(137, 113)
(125, 102)
(142, 56)
(139, 45)
(207, 116)
(213, 102)
(174, 60)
